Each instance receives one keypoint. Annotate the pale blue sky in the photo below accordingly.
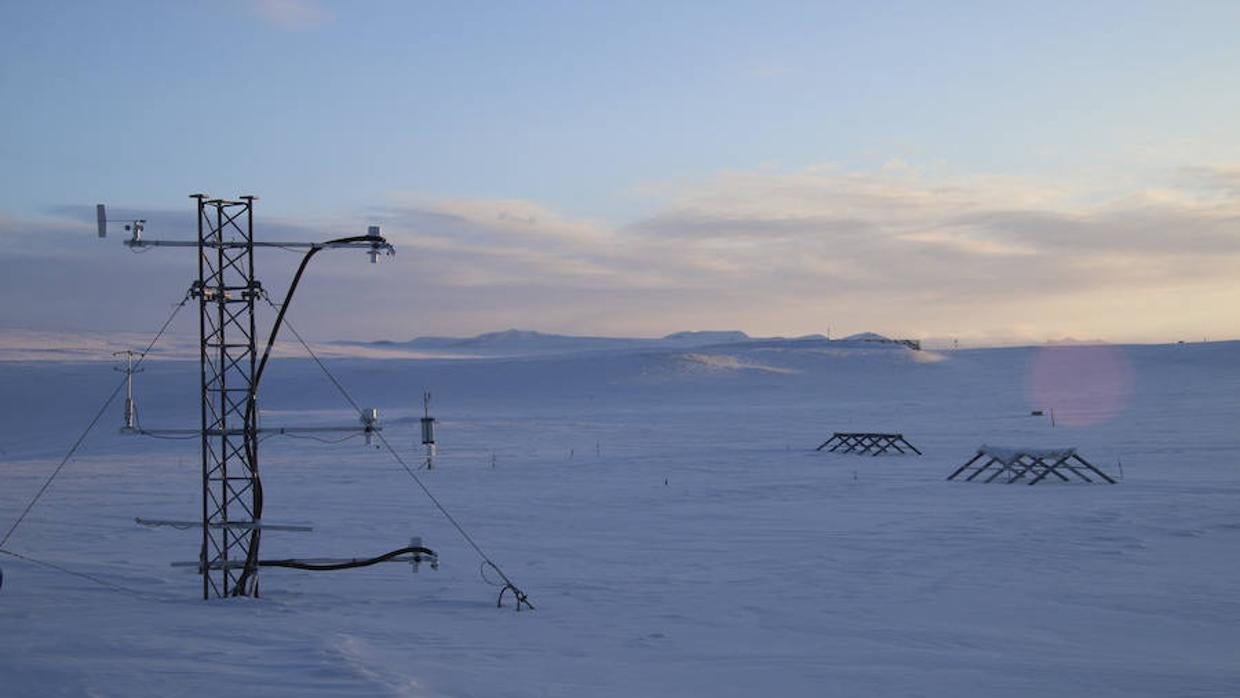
(616, 117)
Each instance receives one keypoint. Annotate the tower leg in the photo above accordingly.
(231, 491)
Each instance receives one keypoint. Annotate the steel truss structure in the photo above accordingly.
(1035, 464)
(230, 369)
(862, 443)
(232, 497)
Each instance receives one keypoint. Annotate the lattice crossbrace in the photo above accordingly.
(226, 291)
(1031, 464)
(871, 443)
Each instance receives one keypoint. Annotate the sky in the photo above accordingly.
(991, 172)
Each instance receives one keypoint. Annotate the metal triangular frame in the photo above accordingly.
(1033, 465)
(867, 443)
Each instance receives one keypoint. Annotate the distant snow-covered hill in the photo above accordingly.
(514, 343)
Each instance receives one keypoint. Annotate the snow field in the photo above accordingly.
(759, 567)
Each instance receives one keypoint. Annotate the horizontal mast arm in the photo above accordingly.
(361, 244)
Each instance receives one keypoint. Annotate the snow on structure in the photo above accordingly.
(1037, 463)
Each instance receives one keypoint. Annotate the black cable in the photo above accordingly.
(320, 439)
(322, 367)
(350, 564)
(93, 422)
(517, 593)
(83, 575)
(137, 420)
(251, 443)
(143, 432)
(520, 595)
(288, 298)
(482, 572)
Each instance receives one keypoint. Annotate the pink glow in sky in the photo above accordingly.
(1084, 385)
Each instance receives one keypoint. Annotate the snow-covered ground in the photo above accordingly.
(668, 516)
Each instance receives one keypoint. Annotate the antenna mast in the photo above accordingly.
(228, 355)
(131, 416)
(229, 368)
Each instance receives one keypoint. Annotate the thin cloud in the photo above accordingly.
(897, 244)
(773, 253)
(291, 14)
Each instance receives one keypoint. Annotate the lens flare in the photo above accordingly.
(1083, 385)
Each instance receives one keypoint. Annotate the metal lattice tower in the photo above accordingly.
(231, 492)
(230, 368)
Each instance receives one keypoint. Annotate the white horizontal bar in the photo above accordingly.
(311, 430)
(248, 525)
(265, 243)
(260, 430)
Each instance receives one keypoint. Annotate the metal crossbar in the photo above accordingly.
(871, 443)
(1033, 465)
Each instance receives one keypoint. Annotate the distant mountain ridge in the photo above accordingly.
(514, 342)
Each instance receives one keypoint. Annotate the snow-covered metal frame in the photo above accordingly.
(1031, 463)
(862, 443)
